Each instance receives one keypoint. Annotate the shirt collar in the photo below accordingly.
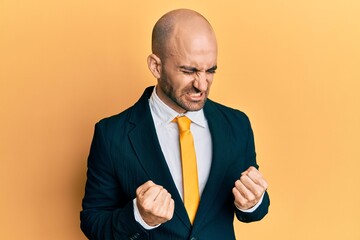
(166, 114)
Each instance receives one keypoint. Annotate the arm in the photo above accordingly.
(251, 198)
(107, 212)
(250, 189)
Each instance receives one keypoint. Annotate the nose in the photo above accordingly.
(201, 81)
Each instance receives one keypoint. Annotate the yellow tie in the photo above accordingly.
(189, 167)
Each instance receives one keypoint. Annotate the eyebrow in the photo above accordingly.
(193, 69)
(212, 69)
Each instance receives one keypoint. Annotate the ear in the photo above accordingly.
(154, 65)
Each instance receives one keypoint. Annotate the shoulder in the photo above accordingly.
(229, 113)
(115, 119)
(234, 124)
(113, 125)
(131, 115)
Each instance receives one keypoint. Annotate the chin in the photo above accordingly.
(194, 107)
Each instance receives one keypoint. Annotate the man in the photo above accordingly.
(138, 177)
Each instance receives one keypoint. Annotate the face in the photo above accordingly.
(187, 73)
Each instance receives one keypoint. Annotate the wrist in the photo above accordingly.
(139, 218)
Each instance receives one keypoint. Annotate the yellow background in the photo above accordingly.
(292, 66)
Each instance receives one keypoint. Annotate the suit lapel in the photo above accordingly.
(219, 132)
(146, 145)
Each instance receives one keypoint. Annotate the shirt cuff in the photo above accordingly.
(139, 219)
(250, 210)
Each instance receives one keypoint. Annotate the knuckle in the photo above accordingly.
(242, 202)
(138, 190)
(243, 178)
(147, 209)
(169, 216)
(258, 193)
(251, 198)
(155, 187)
(147, 206)
(239, 198)
(236, 193)
(155, 210)
(252, 168)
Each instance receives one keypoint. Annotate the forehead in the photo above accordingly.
(196, 50)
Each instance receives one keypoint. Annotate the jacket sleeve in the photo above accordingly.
(107, 213)
(250, 157)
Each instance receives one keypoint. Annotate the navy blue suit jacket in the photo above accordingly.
(125, 153)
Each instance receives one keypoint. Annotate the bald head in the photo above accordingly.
(179, 25)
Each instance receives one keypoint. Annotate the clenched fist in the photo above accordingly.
(154, 203)
(249, 188)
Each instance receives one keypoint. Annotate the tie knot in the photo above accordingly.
(183, 123)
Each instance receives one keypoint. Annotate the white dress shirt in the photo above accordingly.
(168, 135)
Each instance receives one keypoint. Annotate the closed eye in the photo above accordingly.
(191, 70)
(188, 70)
(212, 70)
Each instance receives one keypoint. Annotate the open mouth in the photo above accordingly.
(195, 96)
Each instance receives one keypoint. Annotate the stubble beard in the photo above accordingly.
(179, 99)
